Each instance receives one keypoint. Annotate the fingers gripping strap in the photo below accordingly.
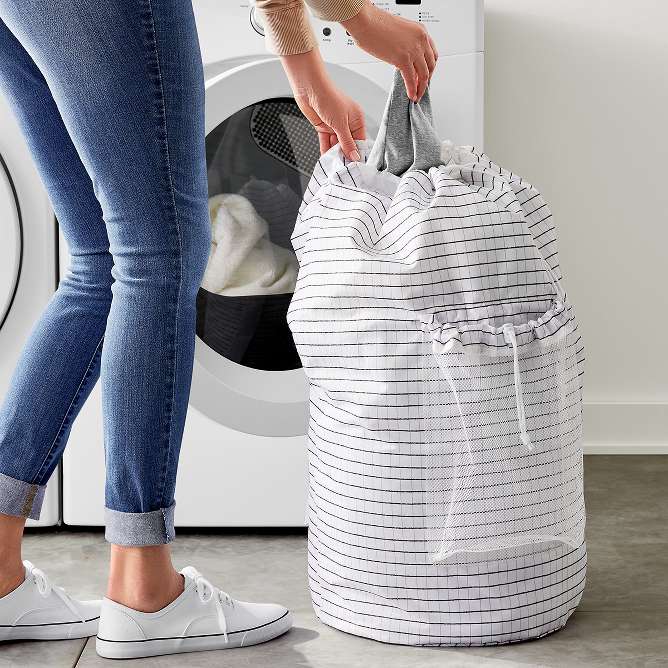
(407, 138)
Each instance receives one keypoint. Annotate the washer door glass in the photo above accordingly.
(10, 248)
(259, 163)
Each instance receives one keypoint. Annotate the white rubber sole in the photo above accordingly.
(134, 649)
(57, 631)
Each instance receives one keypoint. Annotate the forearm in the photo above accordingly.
(363, 21)
(305, 71)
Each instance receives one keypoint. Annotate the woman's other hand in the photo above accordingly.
(336, 117)
(398, 41)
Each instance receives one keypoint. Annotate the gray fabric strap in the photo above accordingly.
(407, 138)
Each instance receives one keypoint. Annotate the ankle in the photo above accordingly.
(147, 598)
(12, 571)
(143, 578)
(12, 576)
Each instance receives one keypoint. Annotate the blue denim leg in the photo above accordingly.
(127, 82)
(61, 359)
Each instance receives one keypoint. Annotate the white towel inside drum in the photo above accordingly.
(243, 259)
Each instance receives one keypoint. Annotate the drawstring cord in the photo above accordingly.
(511, 339)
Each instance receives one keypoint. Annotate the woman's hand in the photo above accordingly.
(336, 117)
(398, 41)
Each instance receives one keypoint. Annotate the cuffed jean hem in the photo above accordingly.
(19, 498)
(140, 529)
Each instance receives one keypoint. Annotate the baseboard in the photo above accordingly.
(625, 449)
(625, 428)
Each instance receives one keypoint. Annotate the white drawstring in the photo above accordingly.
(45, 588)
(206, 591)
(509, 336)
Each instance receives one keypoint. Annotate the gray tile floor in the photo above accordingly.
(622, 621)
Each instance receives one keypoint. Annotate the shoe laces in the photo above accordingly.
(45, 589)
(207, 592)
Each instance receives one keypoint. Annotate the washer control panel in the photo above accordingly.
(455, 25)
(232, 29)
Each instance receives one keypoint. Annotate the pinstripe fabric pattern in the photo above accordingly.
(387, 264)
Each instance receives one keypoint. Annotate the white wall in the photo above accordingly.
(577, 102)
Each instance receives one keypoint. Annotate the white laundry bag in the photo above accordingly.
(444, 361)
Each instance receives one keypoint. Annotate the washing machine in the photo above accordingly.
(28, 268)
(244, 454)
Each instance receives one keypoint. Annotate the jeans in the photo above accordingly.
(110, 98)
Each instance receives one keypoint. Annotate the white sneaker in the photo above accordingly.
(38, 610)
(201, 618)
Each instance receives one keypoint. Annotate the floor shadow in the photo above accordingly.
(284, 652)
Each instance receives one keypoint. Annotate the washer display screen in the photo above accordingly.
(259, 162)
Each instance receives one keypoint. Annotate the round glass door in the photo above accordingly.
(259, 162)
(10, 248)
(261, 153)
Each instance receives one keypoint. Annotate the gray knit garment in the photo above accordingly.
(407, 138)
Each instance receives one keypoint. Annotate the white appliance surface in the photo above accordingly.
(27, 263)
(244, 454)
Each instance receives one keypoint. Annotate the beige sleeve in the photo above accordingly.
(286, 23)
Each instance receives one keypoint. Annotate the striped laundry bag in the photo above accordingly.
(446, 504)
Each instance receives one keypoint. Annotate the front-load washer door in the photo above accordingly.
(261, 152)
(11, 247)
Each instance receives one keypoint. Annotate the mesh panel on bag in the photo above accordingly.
(489, 492)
